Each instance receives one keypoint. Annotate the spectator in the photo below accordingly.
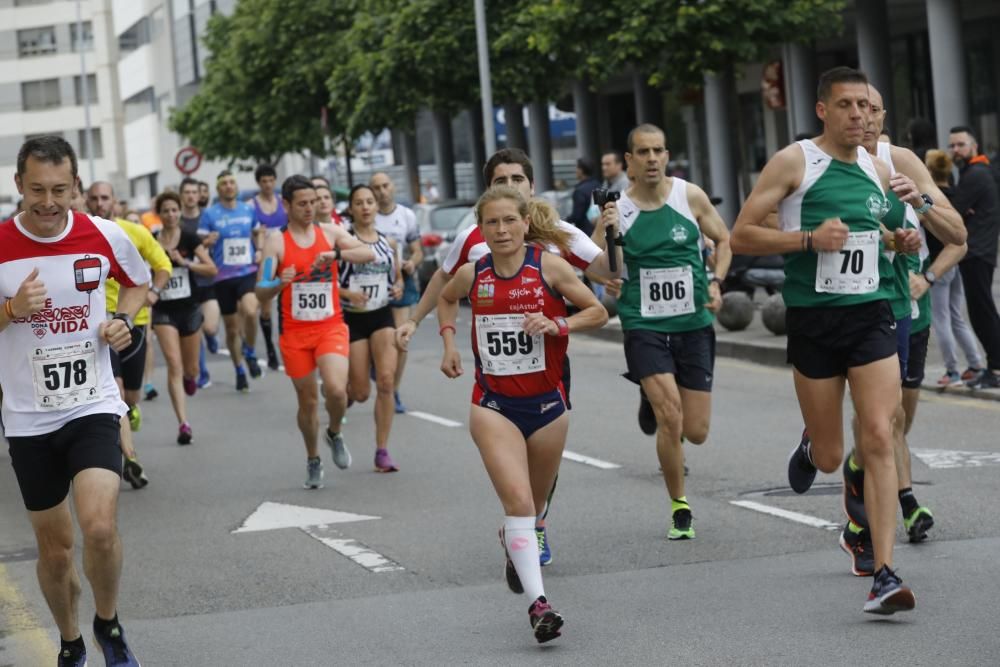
(977, 199)
(948, 296)
(585, 186)
(613, 171)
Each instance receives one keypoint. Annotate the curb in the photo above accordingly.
(773, 355)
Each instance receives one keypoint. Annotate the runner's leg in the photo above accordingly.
(95, 497)
(170, 345)
(57, 574)
(383, 351)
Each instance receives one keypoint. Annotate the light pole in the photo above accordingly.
(87, 142)
(485, 85)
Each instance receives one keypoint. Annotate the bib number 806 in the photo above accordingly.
(667, 291)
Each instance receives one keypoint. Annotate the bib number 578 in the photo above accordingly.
(65, 374)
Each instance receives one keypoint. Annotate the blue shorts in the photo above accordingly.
(411, 295)
(903, 327)
(527, 413)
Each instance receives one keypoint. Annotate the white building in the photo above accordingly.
(41, 87)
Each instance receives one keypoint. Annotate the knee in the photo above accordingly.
(55, 554)
(359, 394)
(877, 440)
(668, 414)
(308, 405)
(697, 433)
(99, 534)
(385, 383)
(334, 393)
(827, 459)
(520, 504)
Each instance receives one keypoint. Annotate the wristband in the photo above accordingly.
(8, 308)
(717, 282)
(809, 241)
(336, 254)
(563, 326)
(447, 326)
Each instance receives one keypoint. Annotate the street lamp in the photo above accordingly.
(87, 142)
(485, 85)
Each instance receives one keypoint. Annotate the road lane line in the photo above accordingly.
(786, 514)
(589, 460)
(434, 418)
(367, 558)
(21, 623)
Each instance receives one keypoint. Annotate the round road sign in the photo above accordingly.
(188, 160)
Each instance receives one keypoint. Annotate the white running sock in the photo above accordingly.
(522, 547)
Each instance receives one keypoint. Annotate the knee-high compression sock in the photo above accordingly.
(522, 548)
(266, 329)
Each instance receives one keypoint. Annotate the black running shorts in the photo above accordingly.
(363, 325)
(130, 363)
(689, 356)
(918, 359)
(187, 321)
(824, 342)
(229, 292)
(45, 465)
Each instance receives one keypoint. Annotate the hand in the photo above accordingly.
(918, 286)
(31, 296)
(907, 241)
(396, 291)
(714, 297)
(116, 333)
(609, 217)
(830, 236)
(404, 332)
(175, 256)
(538, 323)
(907, 191)
(614, 287)
(324, 259)
(451, 362)
(356, 299)
(287, 275)
(211, 239)
(408, 267)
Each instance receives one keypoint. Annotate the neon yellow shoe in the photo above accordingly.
(918, 523)
(682, 526)
(134, 418)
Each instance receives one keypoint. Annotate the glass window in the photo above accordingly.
(42, 94)
(136, 36)
(36, 41)
(95, 142)
(88, 37)
(91, 89)
(141, 104)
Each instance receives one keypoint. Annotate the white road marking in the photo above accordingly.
(786, 514)
(589, 460)
(359, 553)
(947, 458)
(272, 516)
(225, 352)
(434, 418)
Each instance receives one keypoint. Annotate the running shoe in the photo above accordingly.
(888, 594)
(801, 471)
(545, 620)
(135, 418)
(647, 419)
(854, 493)
(859, 547)
(681, 525)
(918, 523)
(72, 657)
(341, 454)
(116, 650)
(190, 386)
(254, 366)
(971, 373)
(951, 379)
(242, 384)
(314, 474)
(272, 358)
(184, 434)
(384, 462)
(204, 380)
(212, 343)
(987, 379)
(133, 474)
(509, 571)
(544, 550)
(400, 408)
(151, 392)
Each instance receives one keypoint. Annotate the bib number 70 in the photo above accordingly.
(854, 261)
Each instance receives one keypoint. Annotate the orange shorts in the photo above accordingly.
(302, 347)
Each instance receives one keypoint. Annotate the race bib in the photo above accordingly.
(236, 252)
(851, 270)
(65, 375)
(179, 285)
(505, 348)
(312, 302)
(914, 309)
(667, 292)
(373, 285)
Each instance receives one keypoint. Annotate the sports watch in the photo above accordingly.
(928, 202)
(124, 318)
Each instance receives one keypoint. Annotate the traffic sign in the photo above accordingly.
(188, 160)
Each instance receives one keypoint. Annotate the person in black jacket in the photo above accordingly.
(581, 196)
(977, 198)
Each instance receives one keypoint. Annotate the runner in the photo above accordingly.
(937, 214)
(399, 223)
(227, 229)
(325, 205)
(518, 417)
(666, 308)
(177, 318)
(365, 292)
(830, 201)
(300, 268)
(61, 408)
(270, 214)
(129, 365)
(204, 289)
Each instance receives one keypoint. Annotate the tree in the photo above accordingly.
(265, 81)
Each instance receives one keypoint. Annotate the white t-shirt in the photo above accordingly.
(399, 225)
(53, 366)
(470, 245)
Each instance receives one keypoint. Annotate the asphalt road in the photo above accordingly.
(422, 582)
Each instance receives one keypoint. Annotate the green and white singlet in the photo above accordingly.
(859, 273)
(665, 287)
(899, 216)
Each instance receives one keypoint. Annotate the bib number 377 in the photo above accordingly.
(65, 375)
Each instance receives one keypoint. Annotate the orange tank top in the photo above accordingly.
(313, 296)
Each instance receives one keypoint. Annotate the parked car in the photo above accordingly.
(439, 224)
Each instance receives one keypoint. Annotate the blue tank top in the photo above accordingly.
(275, 220)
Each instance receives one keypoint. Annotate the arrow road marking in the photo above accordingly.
(786, 514)
(357, 552)
(947, 458)
(272, 516)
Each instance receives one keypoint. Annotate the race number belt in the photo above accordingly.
(851, 270)
(505, 348)
(667, 292)
(312, 302)
(64, 375)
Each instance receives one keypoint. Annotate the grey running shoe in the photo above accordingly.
(314, 472)
(341, 454)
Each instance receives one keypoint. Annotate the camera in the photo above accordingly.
(602, 196)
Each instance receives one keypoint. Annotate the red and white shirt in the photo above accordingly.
(54, 368)
(470, 245)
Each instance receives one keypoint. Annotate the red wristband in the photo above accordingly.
(562, 324)
(447, 326)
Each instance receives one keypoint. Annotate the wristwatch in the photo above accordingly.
(928, 202)
(929, 277)
(155, 290)
(124, 318)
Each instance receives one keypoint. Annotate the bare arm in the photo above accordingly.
(947, 259)
(447, 310)
(780, 177)
(351, 249)
(714, 228)
(204, 266)
(426, 304)
(560, 275)
(273, 252)
(941, 219)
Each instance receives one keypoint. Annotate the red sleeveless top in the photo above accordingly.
(313, 297)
